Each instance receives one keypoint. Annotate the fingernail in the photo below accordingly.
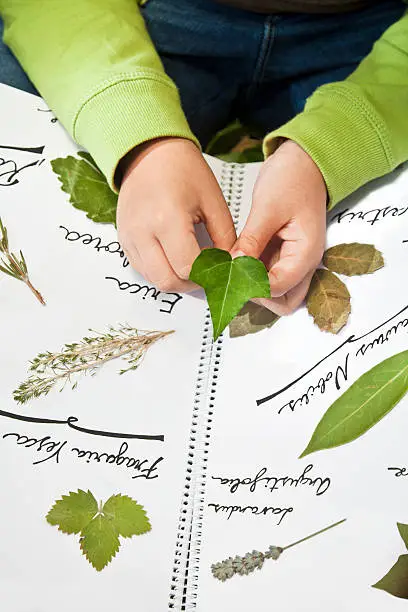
(237, 254)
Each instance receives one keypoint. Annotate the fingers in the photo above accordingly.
(260, 227)
(219, 224)
(290, 301)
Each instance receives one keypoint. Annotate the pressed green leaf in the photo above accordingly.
(128, 517)
(328, 301)
(396, 581)
(403, 529)
(87, 187)
(365, 403)
(251, 319)
(228, 283)
(73, 512)
(353, 259)
(99, 541)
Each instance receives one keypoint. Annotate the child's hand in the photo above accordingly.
(287, 225)
(167, 189)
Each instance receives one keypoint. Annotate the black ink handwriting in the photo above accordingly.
(148, 291)
(96, 243)
(254, 510)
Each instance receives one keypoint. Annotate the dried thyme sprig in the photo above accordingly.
(85, 357)
(245, 565)
(15, 265)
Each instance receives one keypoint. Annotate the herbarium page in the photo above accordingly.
(96, 394)
(305, 495)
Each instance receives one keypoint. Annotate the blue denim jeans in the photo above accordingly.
(229, 63)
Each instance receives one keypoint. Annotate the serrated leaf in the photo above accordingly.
(228, 283)
(403, 530)
(328, 301)
(251, 319)
(396, 581)
(99, 541)
(73, 512)
(128, 517)
(353, 259)
(87, 187)
(365, 403)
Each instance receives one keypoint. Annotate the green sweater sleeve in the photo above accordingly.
(357, 130)
(95, 65)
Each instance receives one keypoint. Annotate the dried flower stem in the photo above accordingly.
(14, 265)
(251, 561)
(85, 357)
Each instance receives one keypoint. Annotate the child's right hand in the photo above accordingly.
(168, 188)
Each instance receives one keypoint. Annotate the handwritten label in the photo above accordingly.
(95, 242)
(146, 291)
(10, 172)
(399, 471)
(372, 216)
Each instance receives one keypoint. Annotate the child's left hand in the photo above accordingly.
(286, 228)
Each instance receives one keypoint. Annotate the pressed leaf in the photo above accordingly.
(251, 319)
(73, 512)
(328, 301)
(87, 187)
(128, 517)
(396, 581)
(365, 403)
(353, 259)
(228, 283)
(403, 530)
(99, 541)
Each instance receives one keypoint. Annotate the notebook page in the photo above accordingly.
(259, 493)
(114, 434)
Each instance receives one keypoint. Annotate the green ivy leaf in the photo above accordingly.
(365, 403)
(99, 527)
(251, 319)
(86, 186)
(128, 517)
(99, 541)
(396, 581)
(73, 512)
(228, 283)
(403, 530)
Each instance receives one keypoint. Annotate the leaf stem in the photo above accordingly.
(313, 534)
(35, 291)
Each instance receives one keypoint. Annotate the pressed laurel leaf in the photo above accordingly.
(251, 319)
(228, 283)
(403, 530)
(99, 541)
(328, 301)
(87, 187)
(73, 512)
(128, 517)
(396, 581)
(353, 258)
(365, 403)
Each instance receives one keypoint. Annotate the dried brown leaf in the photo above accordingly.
(328, 301)
(251, 319)
(353, 259)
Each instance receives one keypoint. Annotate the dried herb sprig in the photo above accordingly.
(243, 566)
(85, 357)
(15, 265)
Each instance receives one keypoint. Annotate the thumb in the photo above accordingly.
(259, 229)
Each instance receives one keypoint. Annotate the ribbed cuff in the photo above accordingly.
(345, 137)
(126, 113)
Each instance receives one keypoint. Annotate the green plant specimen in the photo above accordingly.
(228, 283)
(87, 187)
(251, 319)
(328, 299)
(15, 265)
(243, 566)
(85, 357)
(365, 403)
(100, 525)
(396, 581)
(353, 259)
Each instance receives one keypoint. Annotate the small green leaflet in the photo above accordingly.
(396, 581)
(87, 187)
(99, 526)
(365, 403)
(228, 283)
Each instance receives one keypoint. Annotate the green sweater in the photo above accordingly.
(95, 65)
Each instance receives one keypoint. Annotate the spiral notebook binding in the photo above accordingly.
(184, 583)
